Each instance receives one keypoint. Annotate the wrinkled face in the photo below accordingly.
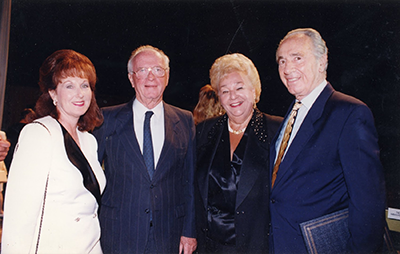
(73, 96)
(150, 89)
(237, 96)
(299, 69)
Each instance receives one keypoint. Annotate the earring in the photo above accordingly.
(55, 102)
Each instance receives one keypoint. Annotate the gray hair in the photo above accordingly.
(147, 48)
(319, 44)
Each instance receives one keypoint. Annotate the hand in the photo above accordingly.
(4, 146)
(188, 245)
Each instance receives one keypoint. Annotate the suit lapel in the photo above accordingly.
(304, 134)
(171, 120)
(126, 132)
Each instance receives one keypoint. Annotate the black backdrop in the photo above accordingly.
(362, 37)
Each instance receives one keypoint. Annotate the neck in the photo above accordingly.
(70, 127)
(238, 127)
(151, 103)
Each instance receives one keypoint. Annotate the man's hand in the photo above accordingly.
(188, 245)
(4, 146)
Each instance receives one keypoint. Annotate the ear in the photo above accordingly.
(322, 63)
(130, 77)
(53, 94)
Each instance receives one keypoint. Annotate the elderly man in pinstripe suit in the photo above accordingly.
(147, 209)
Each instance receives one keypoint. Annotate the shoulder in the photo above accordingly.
(345, 104)
(45, 124)
(272, 120)
(209, 128)
(181, 113)
(338, 100)
(40, 132)
(114, 110)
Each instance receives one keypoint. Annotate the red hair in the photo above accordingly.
(59, 65)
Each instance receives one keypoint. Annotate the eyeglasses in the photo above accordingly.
(156, 70)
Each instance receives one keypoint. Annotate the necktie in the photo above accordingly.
(148, 154)
(285, 140)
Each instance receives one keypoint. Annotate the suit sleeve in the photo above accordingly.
(359, 156)
(189, 227)
(25, 189)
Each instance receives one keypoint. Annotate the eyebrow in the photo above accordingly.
(291, 55)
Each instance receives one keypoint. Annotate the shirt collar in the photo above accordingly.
(309, 100)
(141, 110)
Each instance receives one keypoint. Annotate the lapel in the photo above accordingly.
(126, 133)
(255, 158)
(171, 120)
(304, 134)
(208, 150)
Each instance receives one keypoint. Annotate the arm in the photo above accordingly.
(25, 190)
(188, 241)
(359, 156)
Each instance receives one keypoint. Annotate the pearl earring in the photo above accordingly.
(55, 102)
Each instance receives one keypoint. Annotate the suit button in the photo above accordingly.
(237, 213)
(147, 210)
(273, 201)
(151, 186)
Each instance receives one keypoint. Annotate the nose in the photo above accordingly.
(150, 75)
(80, 92)
(287, 68)
(232, 95)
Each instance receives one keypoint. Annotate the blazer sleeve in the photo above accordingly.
(25, 189)
(359, 156)
(189, 227)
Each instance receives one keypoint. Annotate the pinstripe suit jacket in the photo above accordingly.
(130, 194)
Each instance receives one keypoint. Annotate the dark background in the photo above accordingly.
(362, 37)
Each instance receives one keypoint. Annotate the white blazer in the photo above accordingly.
(70, 222)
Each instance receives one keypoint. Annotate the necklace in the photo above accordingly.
(235, 132)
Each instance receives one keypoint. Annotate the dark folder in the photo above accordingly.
(327, 234)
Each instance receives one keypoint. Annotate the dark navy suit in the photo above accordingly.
(332, 163)
(130, 194)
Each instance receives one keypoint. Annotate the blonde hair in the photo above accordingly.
(208, 105)
(235, 63)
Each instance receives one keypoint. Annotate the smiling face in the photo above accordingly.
(237, 96)
(149, 90)
(72, 96)
(299, 69)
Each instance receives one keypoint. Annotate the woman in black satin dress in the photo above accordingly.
(232, 177)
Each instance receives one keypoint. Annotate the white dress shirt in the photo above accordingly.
(156, 126)
(306, 104)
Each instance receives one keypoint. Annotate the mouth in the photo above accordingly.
(79, 103)
(292, 79)
(237, 104)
